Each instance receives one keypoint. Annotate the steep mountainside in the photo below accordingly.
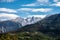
(49, 25)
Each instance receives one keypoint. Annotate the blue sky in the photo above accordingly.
(24, 8)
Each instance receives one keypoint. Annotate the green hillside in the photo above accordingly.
(25, 36)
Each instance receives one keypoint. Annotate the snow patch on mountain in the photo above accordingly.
(30, 19)
(34, 18)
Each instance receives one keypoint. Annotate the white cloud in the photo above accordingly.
(7, 10)
(36, 9)
(42, 16)
(43, 1)
(7, 0)
(38, 3)
(55, 0)
(33, 4)
(56, 4)
(4, 16)
(25, 9)
(42, 10)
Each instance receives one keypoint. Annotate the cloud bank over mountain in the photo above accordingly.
(5, 16)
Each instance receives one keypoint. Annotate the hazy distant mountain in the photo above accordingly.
(49, 25)
(8, 23)
(9, 26)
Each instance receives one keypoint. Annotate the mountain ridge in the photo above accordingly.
(49, 25)
(14, 24)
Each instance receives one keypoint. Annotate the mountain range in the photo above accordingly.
(28, 20)
(9, 25)
(49, 25)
